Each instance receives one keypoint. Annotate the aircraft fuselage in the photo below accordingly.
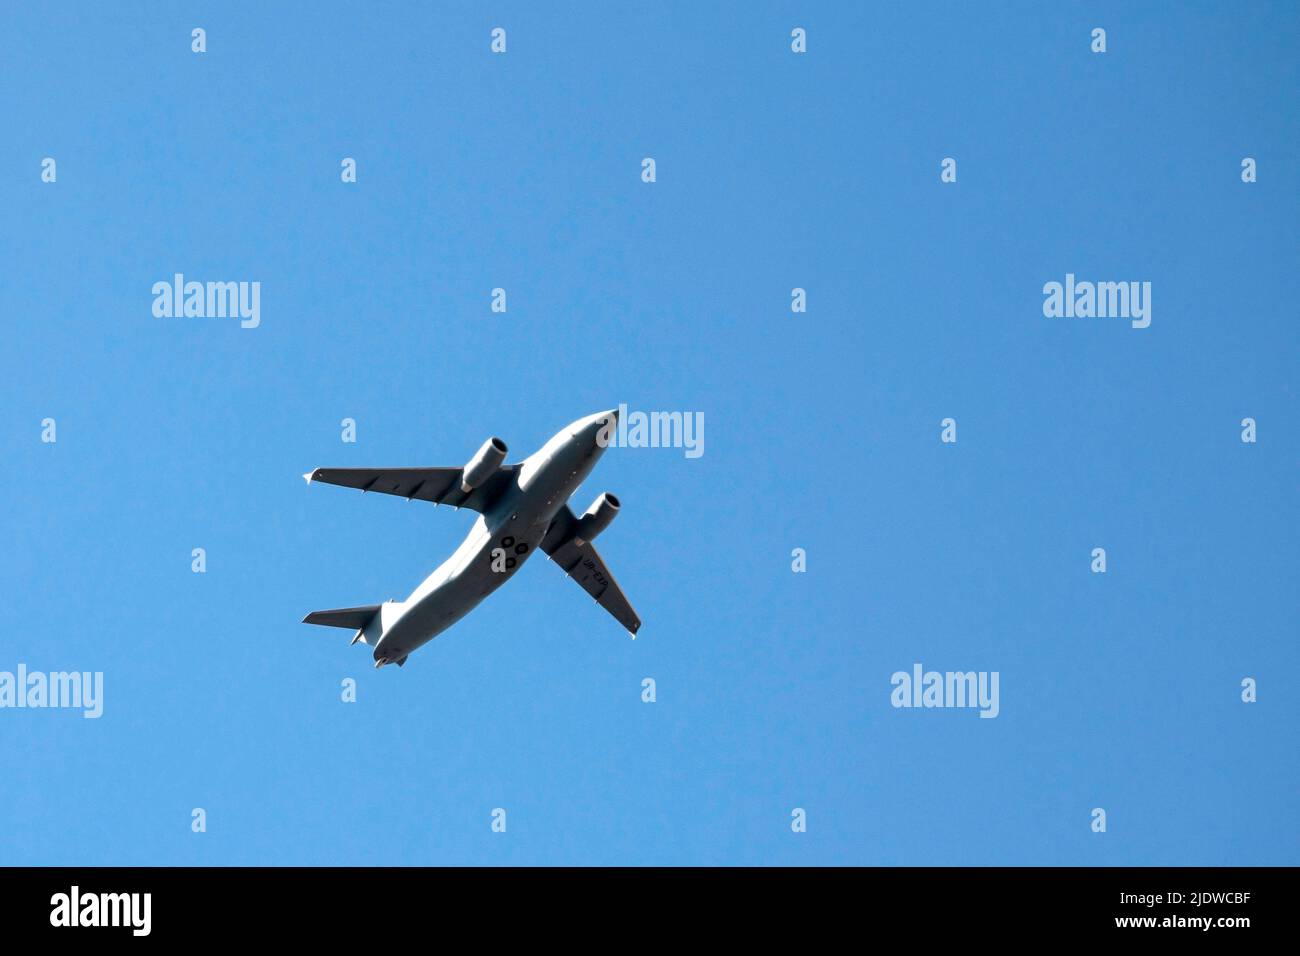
(502, 539)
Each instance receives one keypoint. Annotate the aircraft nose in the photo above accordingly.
(604, 424)
(591, 427)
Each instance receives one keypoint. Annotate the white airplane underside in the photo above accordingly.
(522, 508)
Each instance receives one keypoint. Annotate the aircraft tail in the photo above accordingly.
(353, 618)
(370, 621)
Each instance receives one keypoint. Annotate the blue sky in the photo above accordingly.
(774, 171)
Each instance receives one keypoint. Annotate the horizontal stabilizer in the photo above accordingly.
(354, 618)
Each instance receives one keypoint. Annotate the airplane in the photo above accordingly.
(522, 508)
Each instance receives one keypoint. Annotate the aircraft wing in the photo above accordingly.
(439, 485)
(583, 563)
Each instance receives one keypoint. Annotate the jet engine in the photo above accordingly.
(597, 518)
(483, 465)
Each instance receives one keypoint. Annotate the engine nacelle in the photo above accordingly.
(483, 465)
(597, 518)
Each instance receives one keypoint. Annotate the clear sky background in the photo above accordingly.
(775, 170)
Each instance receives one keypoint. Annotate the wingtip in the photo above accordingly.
(307, 476)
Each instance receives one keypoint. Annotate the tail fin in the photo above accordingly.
(354, 618)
